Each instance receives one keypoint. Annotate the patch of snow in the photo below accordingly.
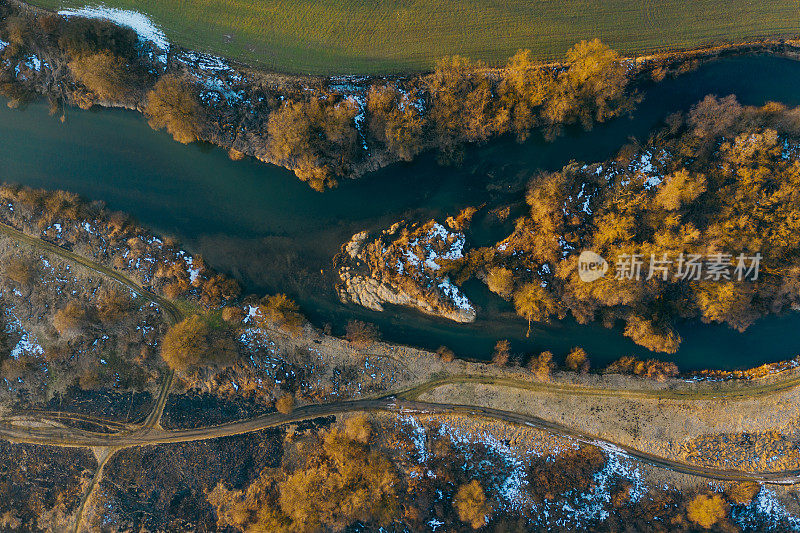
(138, 22)
(455, 296)
(788, 152)
(645, 163)
(194, 273)
(653, 181)
(765, 512)
(411, 257)
(203, 61)
(430, 261)
(26, 346)
(348, 84)
(434, 524)
(418, 438)
(217, 87)
(33, 63)
(513, 471)
(360, 101)
(252, 310)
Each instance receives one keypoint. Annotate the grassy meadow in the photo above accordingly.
(400, 36)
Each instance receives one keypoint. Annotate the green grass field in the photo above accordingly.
(393, 36)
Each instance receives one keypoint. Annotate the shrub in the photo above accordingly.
(285, 404)
(219, 289)
(172, 104)
(83, 36)
(471, 505)
(232, 315)
(500, 281)
(743, 493)
(542, 365)
(186, 343)
(345, 481)
(502, 353)
(577, 360)
(193, 342)
(652, 368)
(70, 320)
(318, 139)
(279, 311)
(447, 355)
(707, 510)
(572, 470)
(533, 302)
(113, 305)
(19, 270)
(395, 121)
(656, 338)
(358, 429)
(361, 334)
(108, 76)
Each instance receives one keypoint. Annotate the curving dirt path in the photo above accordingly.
(46, 428)
(174, 314)
(152, 436)
(721, 390)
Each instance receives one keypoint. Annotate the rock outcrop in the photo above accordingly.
(404, 266)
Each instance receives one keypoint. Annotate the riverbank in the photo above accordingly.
(409, 39)
(645, 414)
(732, 431)
(240, 109)
(276, 235)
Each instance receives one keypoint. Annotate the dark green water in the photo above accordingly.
(259, 223)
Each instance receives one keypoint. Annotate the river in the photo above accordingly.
(260, 224)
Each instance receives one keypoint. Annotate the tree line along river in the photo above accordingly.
(262, 225)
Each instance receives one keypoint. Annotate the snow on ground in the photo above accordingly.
(420, 256)
(453, 242)
(455, 296)
(789, 151)
(349, 84)
(204, 61)
(27, 344)
(138, 22)
(510, 471)
(573, 509)
(513, 474)
(418, 103)
(33, 63)
(216, 75)
(593, 504)
(456, 247)
(3, 44)
(576, 510)
(418, 437)
(649, 165)
(765, 511)
(360, 101)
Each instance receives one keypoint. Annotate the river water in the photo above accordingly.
(260, 224)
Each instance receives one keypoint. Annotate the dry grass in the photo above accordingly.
(745, 433)
(354, 36)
